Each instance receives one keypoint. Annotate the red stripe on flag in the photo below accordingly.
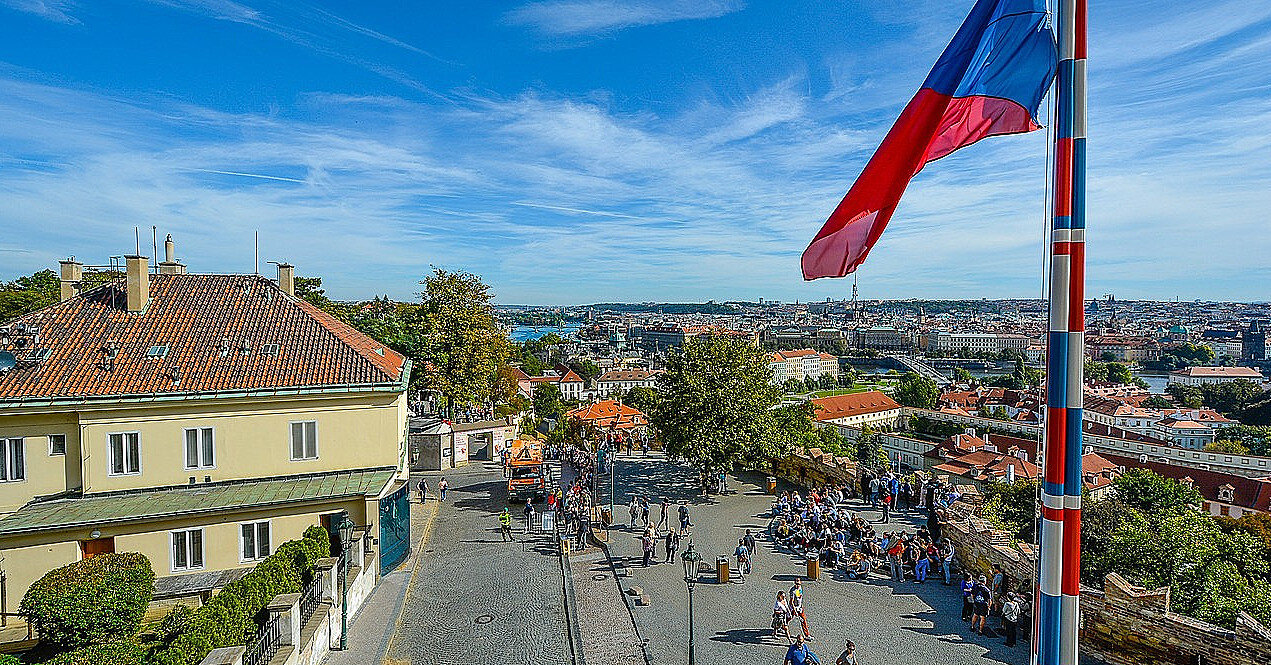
(1077, 287)
(1061, 248)
(1053, 514)
(1079, 51)
(1070, 581)
(1056, 430)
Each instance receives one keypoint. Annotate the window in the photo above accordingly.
(199, 448)
(254, 540)
(12, 461)
(187, 550)
(57, 444)
(157, 352)
(304, 440)
(125, 453)
(269, 349)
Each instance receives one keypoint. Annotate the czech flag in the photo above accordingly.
(989, 81)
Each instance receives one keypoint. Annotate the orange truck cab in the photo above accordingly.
(526, 473)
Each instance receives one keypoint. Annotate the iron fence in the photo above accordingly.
(310, 598)
(262, 647)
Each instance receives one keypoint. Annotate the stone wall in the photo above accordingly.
(1120, 624)
(815, 468)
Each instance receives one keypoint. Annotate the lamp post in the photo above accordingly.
(690, 559)
(345, 529)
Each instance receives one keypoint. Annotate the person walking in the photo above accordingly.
(529, 516)
(848, 657)
(874, 485)
(796, 608)
(646, 543)
(672, 544)
(664, 514)
(921, 564)
(423, 489)
(684, 523)
(946, 561)
(749, 541)
(442, 486)
(644, 511)
(634, 509)
(743, 558)
(505, 524)
(894, 552)
(887, 498)
(800, 654)
(980, 596)
(1011, 611)
(781, 615)
(967, 604)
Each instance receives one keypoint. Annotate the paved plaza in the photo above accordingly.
(902, 623)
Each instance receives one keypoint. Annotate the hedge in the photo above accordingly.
(7, 659)
(230, 617)
(90, 601)
(119, 652)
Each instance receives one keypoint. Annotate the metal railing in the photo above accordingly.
(262, 647)
(310, 598)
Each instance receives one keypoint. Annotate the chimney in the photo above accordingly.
(138, 282)
(287, 278)
(72, 277)
(169, 265)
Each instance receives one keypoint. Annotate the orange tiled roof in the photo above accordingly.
(214, 327)
(856, 404)
(609, 413)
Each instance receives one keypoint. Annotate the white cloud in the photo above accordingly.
(572, 18)
(58, 11)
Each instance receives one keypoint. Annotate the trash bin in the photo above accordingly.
(772, 485)
(564, 545)
(814, 569)
(606, 516)
(721, 569)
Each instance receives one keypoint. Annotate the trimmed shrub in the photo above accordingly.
(6, 659)
(90, 601)
(119, 652)
(231, 616)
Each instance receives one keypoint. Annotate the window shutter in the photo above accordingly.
(311, 439)
(178, 550)
(262, 539)
(4, 459)
(116, 453)
(134, 453)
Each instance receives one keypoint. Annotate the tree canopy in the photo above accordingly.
(461, 343)
(716, 405)
(27, 294)
(917, 391)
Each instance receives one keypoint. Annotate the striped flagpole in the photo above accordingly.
(1056, 609)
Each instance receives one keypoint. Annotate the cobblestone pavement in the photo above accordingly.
(908, 623)
(475, 599)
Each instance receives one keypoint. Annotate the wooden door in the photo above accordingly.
(92, 548)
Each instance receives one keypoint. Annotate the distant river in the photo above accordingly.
(523, 333)
(1156, 382)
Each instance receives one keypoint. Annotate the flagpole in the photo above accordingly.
(1057, 606)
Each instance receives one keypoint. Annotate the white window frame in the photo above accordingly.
(7, 446)
(53, 454)
(186, 540)
(291, 443)
(110, 459)
(200, 462)
(242, 544)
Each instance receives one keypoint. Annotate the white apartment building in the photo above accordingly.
(1199, 376)
(622, 380)
(801, 364)
(975, 342)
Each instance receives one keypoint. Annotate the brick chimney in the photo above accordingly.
(169, 265)
(138, 282)
(72, 277)
(287, 278)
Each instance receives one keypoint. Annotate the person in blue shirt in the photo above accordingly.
(800, 654)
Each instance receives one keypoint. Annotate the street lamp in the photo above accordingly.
(345, 528)
(690, 560)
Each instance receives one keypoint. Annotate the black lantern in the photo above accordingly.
(690, 559)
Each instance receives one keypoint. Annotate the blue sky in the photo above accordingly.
(592, 150)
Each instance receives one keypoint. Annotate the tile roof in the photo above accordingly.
(855, 404)
(1220, 372)
(1252, 493)
(609, 413)
(627, 375)
(109, 507)
(214, 328)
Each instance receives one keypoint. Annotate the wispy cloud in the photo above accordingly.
(58, 11)
(573, 18)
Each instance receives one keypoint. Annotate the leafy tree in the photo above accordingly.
(548, 402)
(1150, 492)
(869, 448)
(961, 375)
(506, 384)
(1255, 438)
(1118, 373)
(1101, 521)
(28, 294)
(1095, 371)
(1257, 525)
(642, 398)
(716, 405)
(1232, 397)
(1226, 446)
(461, 343)
(793, 385)
(586, 369)
(1107, 356)
(1188, 397)
(1157, 402)
(831, 440)
(1012, 507)
(310, 289)
(826, 382)
(917, 391)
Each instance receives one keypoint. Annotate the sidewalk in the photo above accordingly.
(375, 623)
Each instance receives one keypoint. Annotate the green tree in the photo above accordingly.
(1231, 398)
(1157, 402)
(961, 375)
(1257, 525)
(642, 398)
(716, 405)
(548, 402)
(1095, 371)
(1107, 356)
(28, 294)
(1012, 507)
(1118, 373)
(1150, 492)
(461, 343)
(917, 391)
(1227, 446)
(310, 290)
(1255, 438)
(1188, 397)
(869, 449)
(586, 369)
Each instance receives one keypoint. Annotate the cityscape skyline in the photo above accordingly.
(698, 149)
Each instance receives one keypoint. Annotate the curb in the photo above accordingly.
(573, 637)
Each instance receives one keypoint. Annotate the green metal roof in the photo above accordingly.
(96, 509)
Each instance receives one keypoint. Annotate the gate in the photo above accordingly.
(394, 528)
